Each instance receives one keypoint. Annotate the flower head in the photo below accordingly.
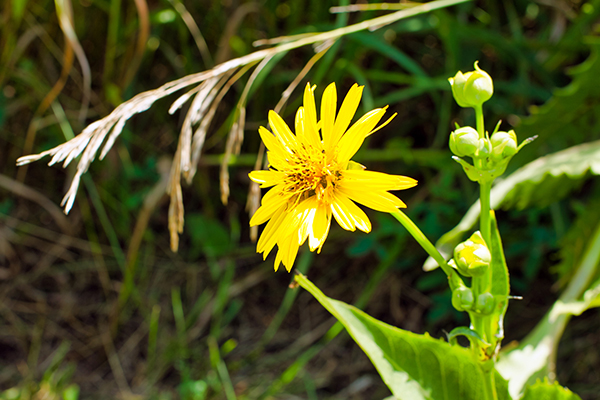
(312, 177)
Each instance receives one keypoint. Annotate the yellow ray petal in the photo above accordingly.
(303, 218)
(347, 111)
(299, 123)
(287, 252)
(267, 210)
(382, 125)
(354, 138)
(277, 160)
(270, 141)
(349, 215)
(328, 110)
(310, 108)
(266, 178)
(269, 236)
(278, 259)
(375, 180)
(305, 132)
(377, 200)
(282, 130)
(319, 228)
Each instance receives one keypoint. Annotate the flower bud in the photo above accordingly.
(504, 144)
(462, 298)
(485, 303)
(472, 257)
(464, 141)
(473, 88)
(485, 147)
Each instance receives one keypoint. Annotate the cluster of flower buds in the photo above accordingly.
(464, 300)
(490, 154)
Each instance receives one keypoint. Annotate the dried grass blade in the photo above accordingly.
(373, 7)
(196, 112)
(142, 40)
(64, 9)
(200, 134)
(236, 134)
(176, 211)
(195, 31)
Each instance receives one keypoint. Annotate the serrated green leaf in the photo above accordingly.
(538, 182)
(414, 367)
(548, 391)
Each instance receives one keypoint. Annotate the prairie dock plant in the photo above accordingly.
(312, 176)
(185, 305)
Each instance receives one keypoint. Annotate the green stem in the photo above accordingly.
(423, 241)
(479, 118)
(484, 215)
(479, 162)
(490, 385)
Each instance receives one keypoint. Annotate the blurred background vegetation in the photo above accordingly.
(95, 304)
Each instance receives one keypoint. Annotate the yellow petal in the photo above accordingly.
(305, 132)
(282, 131)
(278, 260)
(310, 109)
(377, 200)
(299, 123)
(269, 236)
(267, 178)
(349, 215)
(382, 125)
(375, 180)
(303, 218)
(320, 228)
(267, 209)
(288, 249)
(328, 110)
(270, 141)
(354, 138)
(347, 111)
(278, 160)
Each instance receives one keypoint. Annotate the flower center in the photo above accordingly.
(311, 174)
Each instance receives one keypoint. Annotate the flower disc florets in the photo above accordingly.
(312, 177)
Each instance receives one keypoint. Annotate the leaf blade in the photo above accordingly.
(413, 366)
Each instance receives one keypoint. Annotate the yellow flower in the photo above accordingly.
(312, 178)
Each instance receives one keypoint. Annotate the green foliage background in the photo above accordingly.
(83, 302)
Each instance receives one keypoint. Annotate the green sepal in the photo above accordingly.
(474, 338)
(482, 175)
